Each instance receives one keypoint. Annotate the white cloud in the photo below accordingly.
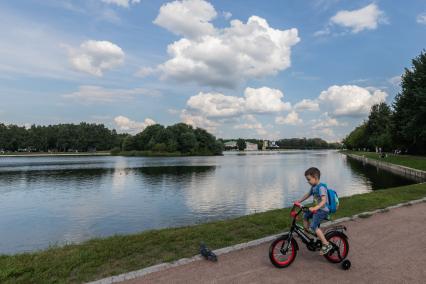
(350, 100)
(125, 124)
(264, 100)
(323, 32)
(421, 18)
(198, 120)
(122, 3)
(256, 125)
(325, 121)
(366, 18)
(216, 104)
(188, 18)
(95, 57)
(327, 134)
(145, 72)
(261, 100)
(227, 15)
(395, 80)
(97, 94)
(291, 119)
(221, 57)
(249, 122)
(306, 104)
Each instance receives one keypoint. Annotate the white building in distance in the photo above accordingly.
(251, 146)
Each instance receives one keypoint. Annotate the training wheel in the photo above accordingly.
(346, 264)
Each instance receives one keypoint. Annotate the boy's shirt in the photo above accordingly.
(317, 191)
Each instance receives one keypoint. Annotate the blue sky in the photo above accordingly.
(261, 69)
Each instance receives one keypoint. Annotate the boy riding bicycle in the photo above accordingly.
(318, 212)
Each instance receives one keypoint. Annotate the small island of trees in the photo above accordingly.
(177, 139)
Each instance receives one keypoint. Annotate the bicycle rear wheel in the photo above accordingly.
(276, 255)
(340, 247)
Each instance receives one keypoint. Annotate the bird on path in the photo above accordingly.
(207, 253)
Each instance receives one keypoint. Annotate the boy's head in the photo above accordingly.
(313, 176)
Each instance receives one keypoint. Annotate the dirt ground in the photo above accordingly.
(387, 247)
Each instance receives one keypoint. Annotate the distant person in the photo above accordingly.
(318, 212)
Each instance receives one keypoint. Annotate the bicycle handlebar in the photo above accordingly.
(303, 208)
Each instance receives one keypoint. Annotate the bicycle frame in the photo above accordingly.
(311, 243)
(299, 230)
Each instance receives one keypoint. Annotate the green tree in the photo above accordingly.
(241, 144)
(409, 119)
(357, 138)
(378, 127)
(146, 139)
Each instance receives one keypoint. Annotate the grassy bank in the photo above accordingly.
(99, 258)
(158, 154)
(415, 162)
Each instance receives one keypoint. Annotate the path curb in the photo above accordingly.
(416, 174)
(182, 261)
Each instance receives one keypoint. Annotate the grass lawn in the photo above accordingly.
(99, 258)
(415, 162)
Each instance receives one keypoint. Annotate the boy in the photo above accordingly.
(318, 212)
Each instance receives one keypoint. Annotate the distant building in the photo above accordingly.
(251, 146)
(265, 144)
(230, 145)
(273, 144)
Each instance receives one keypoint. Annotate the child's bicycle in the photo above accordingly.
(283, 250)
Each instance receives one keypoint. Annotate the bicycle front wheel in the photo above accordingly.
(278, 257)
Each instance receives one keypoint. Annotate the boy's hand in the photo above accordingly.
(312, 209)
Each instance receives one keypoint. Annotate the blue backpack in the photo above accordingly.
(333, 199)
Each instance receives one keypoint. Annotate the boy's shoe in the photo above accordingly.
(325, 249)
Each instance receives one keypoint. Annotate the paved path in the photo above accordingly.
(387, 247)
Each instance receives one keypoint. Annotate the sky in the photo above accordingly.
(252, 69)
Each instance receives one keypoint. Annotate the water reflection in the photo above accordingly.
(57, 200)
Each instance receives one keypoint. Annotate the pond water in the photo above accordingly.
(56, 200)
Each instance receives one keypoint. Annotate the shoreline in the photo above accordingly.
(415, 174)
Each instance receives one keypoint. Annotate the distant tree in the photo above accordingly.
(84, 136)
(146, 139)
(357, 138)
(241, 144)
(129, 143)
(378, 127)
(302, 143)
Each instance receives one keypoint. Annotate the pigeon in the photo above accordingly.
(207, 253)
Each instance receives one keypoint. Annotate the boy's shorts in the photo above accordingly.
(316, 218)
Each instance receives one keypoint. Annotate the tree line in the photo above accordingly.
(61, 137)
(288, 143)
(401, 126)
(307, 143)
(83, 137)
